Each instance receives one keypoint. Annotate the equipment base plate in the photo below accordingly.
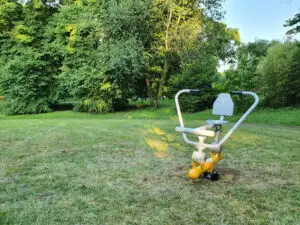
(213, 176)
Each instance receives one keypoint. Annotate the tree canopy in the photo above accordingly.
(295, 23)
(100, 54)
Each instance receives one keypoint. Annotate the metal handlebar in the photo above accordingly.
(236, 92)
(234, 127)
(179, 113)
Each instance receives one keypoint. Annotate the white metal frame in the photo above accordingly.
(203, 131)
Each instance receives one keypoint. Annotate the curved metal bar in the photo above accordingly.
(180, 116)
(235, 126)
(229, 133)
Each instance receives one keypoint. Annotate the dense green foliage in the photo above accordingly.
(294, 23)
(27, 73)
(271, 69)
(101, 54)
(29, 89)
(281, 75)
(200, 73)
(243, 73)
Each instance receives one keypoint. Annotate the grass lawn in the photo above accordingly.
(131, 168)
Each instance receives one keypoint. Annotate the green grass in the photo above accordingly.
(131, 168)
(285, 116)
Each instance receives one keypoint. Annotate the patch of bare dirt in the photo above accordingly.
(45, 195)
(229, 174)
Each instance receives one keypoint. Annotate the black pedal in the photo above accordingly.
(213, 176)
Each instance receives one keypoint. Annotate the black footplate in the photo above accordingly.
(213, 176)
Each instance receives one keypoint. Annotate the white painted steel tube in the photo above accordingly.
(229, 133)
(199, 132)
(180, 116)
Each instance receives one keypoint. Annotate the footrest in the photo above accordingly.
(197, 131)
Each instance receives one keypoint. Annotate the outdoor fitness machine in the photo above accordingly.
(223, 106)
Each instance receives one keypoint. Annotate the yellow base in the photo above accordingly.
(207, 166)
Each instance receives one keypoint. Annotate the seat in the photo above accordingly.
(197, 131)
(217, 122)
(223, 106)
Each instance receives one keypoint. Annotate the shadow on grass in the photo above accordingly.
(63, 106)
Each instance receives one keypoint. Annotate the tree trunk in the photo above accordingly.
(149, 90)
(162, 80)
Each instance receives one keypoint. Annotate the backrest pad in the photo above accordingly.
(223, 105)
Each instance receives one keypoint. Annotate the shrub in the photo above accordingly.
(27, 84)
(198, 75)
(94, 106)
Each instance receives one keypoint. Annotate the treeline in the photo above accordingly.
(102, 53)
(270, 68)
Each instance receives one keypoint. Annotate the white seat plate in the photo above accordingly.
(217, 122)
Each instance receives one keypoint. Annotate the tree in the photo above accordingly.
(280, 75)
(248, 58)
(199, 74)
(295, 21)
(198, 65)
(102, 47)
(243, 75)
(293, 84)
(73, 36)
(176, 28)
(26, 87)
(27, 78)
(126, 37)
(11, 13)
(101, 53)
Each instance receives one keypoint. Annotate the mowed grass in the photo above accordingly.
(285, 116)
(125, 168)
